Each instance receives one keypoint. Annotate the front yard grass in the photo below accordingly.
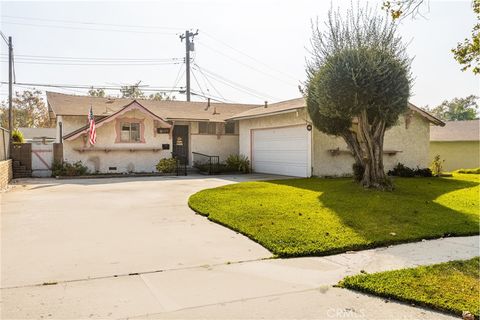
(453, 286)
(313, 216)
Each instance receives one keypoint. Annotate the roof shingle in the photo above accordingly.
(468, 130)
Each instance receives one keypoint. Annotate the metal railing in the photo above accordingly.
(206, 163)
(181, 164)
(4, 144)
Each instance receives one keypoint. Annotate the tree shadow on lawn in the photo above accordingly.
(419, 208)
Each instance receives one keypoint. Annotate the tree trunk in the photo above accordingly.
(366, 145)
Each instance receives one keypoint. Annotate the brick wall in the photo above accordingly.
(5, 173)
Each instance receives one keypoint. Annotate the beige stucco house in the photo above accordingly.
(278, 138)
(458, 143)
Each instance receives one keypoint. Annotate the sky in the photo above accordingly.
(246, 51)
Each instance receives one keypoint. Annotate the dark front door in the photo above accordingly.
(180, 142)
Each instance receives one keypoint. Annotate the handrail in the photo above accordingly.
(203, 154)
(209, 164)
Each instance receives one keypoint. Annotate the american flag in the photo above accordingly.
(92, 132)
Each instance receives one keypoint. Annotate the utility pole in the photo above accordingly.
(10, 87)
(188, 36)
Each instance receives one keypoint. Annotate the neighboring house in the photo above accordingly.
(458, 143)
(39, 135)
(132, 135)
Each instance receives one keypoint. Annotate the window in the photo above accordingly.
(207, 128)
(130, 132)
(230, 128)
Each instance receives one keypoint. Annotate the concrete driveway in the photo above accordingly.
(63, 230)
(131, 248)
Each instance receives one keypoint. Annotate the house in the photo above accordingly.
(38, 135)
(458, 143)
(132, 135)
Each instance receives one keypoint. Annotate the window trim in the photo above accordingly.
(118, 129)
(225, 129)
(208, 127)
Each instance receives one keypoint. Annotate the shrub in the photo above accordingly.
(238, 162)
(17, 136)
(437, 165)
(69, 169)
(400, 170)
(469, 171)
(425, 172)
(167, 165)
(358, 170)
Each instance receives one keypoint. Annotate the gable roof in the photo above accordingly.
(468, 130)
(299, 103)
(73, 105)
(134, 105)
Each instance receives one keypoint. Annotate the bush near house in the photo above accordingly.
(238, 162)
(17, 136)
(302, 217)
(453, 286)
(400, 170)
(69, 169)
(167, 165)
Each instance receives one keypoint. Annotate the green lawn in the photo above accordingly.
(453, 286)
(300, 217)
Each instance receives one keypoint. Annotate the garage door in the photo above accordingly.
(281, 151)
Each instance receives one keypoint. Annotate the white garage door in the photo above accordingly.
(281, 151)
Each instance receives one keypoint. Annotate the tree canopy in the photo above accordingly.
(358, 85)
(29, 110)
(467, 52)
(457, 109)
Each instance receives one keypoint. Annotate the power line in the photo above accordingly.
(100, 59)
(249, 56)
(177, 78)
(94, 64)
(70, 86)
(91, 23)
(211, 84)
(235, 85)
(198, 84)
(86, 29)
(246, 65)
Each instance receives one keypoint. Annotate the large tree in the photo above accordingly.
(29, 110)
(457, 109)
(358, 85)
(467, 52)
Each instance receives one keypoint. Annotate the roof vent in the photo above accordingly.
(266, 104)
(208, 104)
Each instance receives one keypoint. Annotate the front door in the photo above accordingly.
(180, 142)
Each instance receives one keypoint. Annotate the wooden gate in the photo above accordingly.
(22, 160)
(42, 159)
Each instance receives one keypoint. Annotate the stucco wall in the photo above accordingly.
(125, 161)
(139, 161)
(457, 154)
(413, 142)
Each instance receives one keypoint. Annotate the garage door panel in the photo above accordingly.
(281, 151)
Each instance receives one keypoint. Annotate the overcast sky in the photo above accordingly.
(249, 50)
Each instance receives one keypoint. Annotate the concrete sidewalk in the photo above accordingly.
(272, 289)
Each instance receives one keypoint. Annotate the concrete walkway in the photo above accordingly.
(132, 249)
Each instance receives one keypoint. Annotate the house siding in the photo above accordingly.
(457, 154)
(139, 161)
(124, 161)
(412, 141)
